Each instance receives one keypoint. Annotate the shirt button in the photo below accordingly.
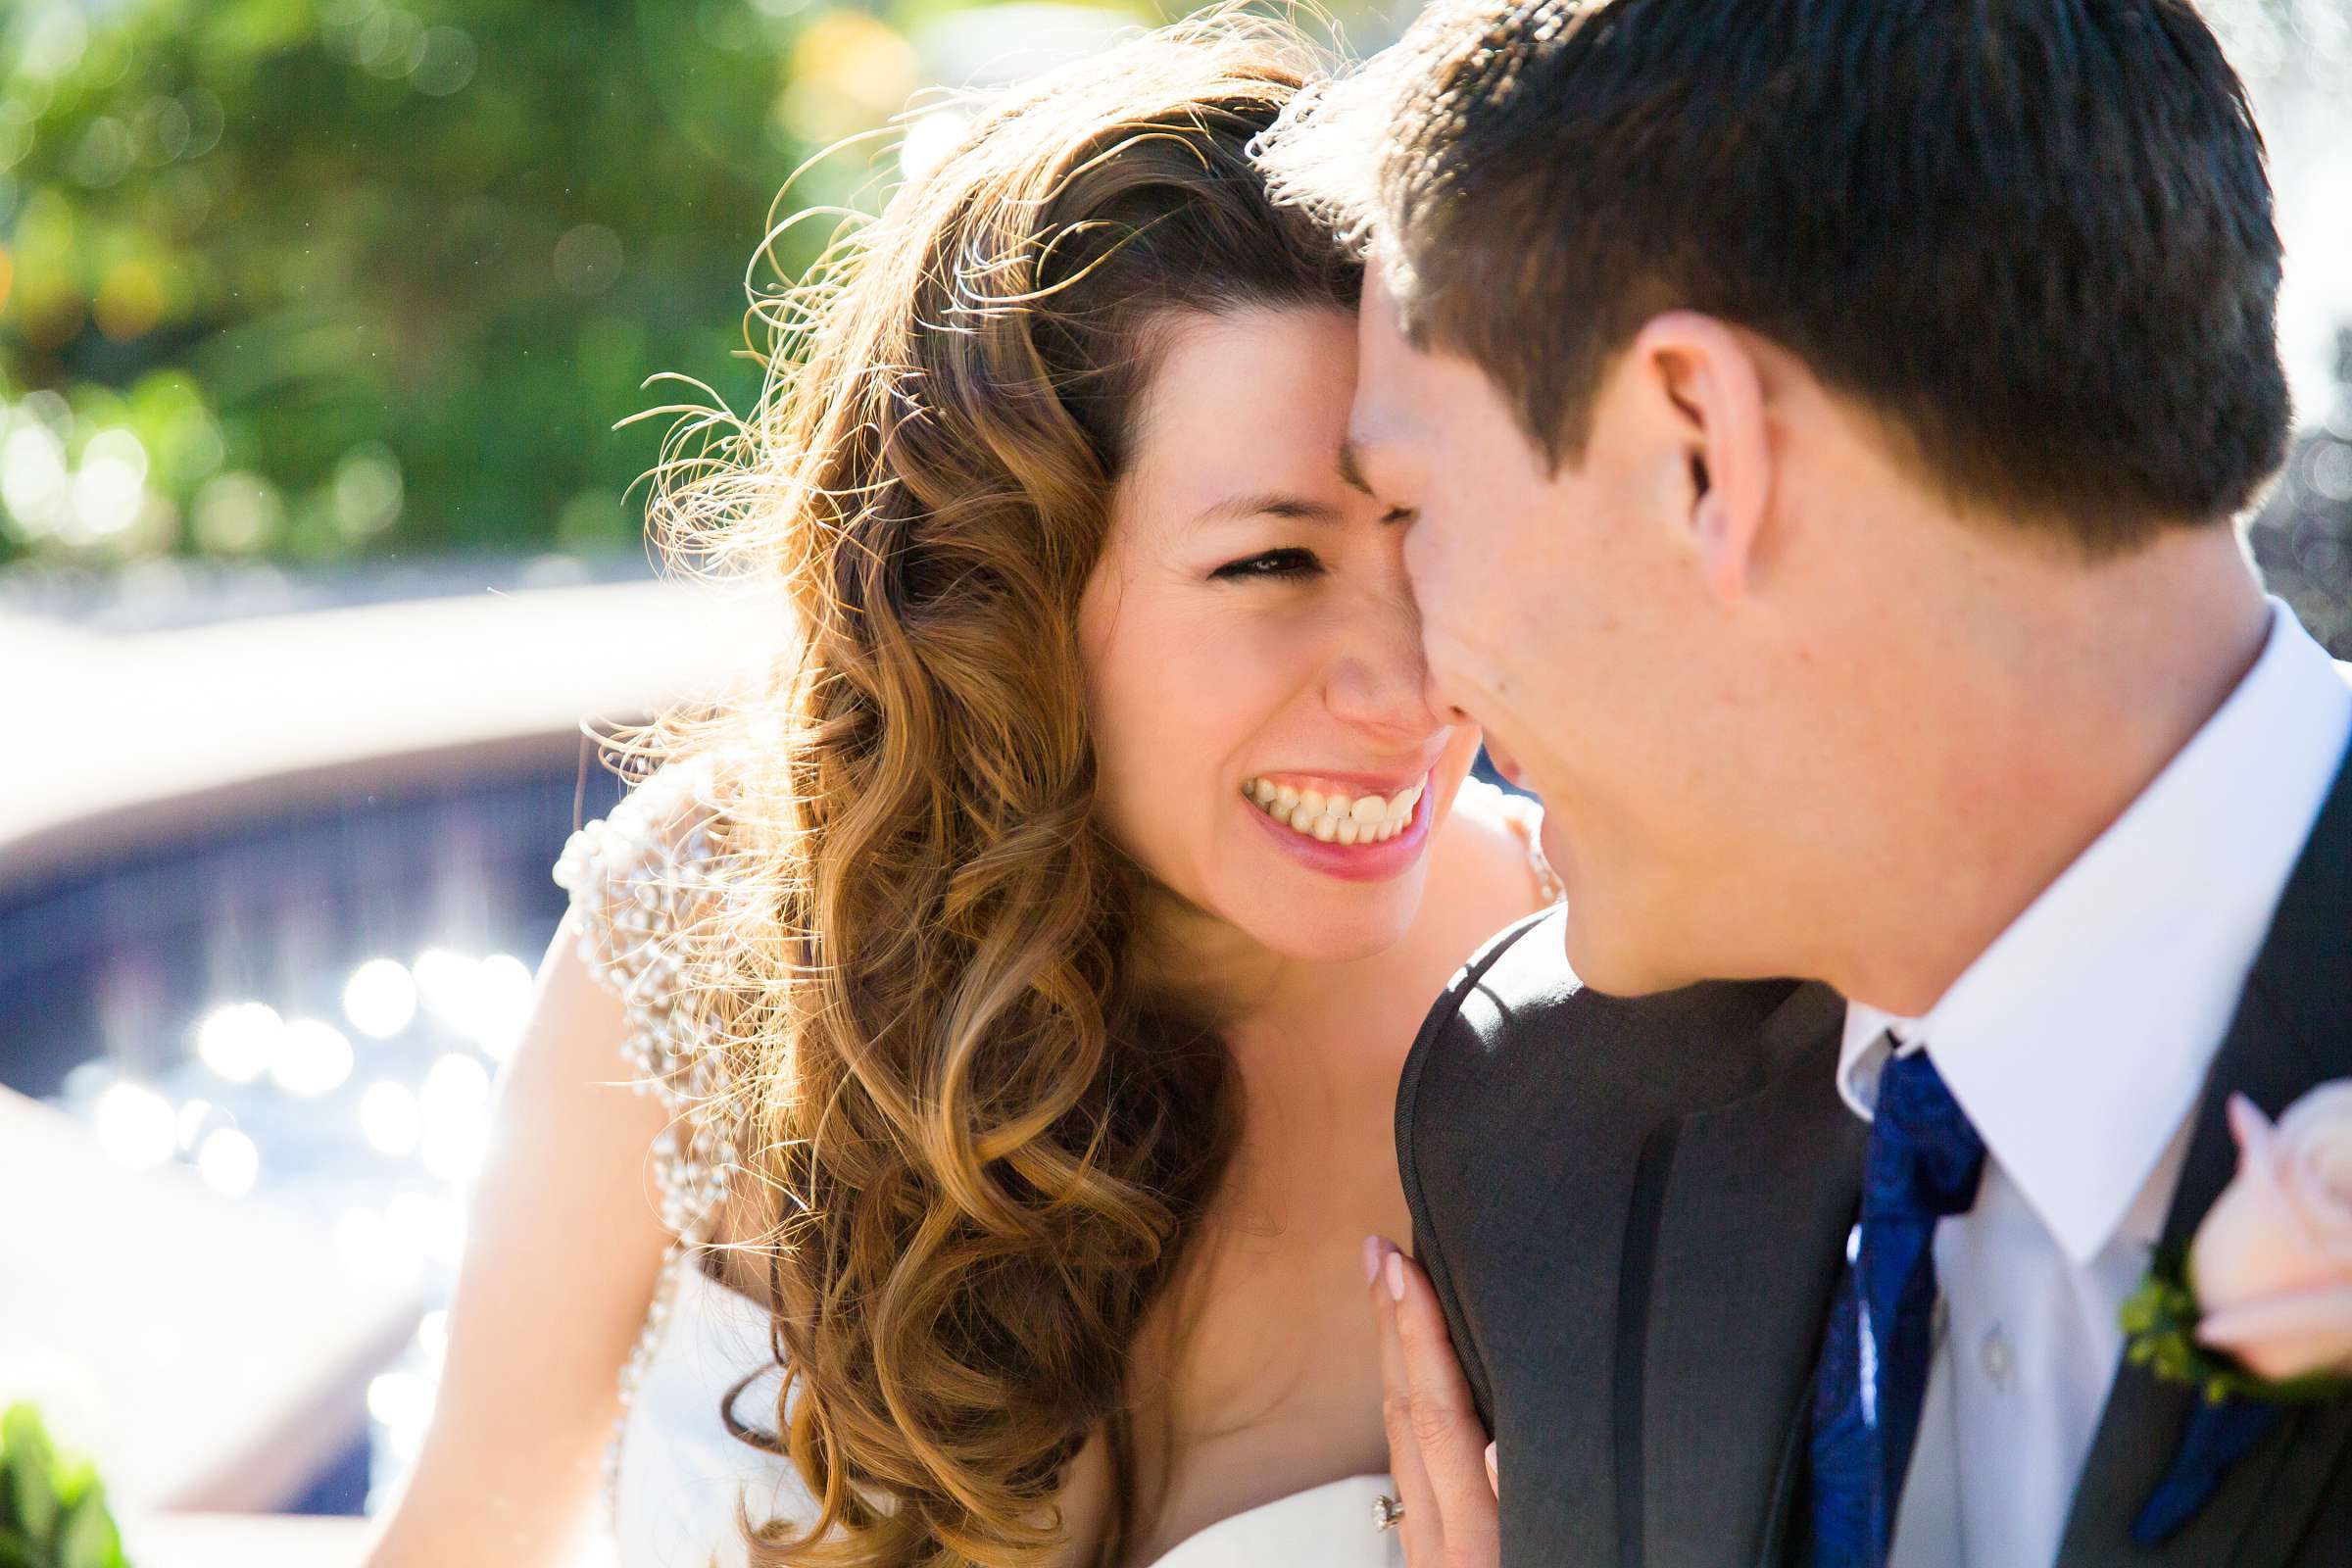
(1997, 1359)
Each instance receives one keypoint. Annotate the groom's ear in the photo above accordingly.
(1708, 387)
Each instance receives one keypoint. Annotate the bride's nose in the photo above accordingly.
(1377, 680)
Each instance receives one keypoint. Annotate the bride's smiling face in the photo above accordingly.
(1253, 659)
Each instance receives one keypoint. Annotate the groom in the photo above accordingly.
(1819, 426)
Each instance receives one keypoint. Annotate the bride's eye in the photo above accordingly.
(1273, 563)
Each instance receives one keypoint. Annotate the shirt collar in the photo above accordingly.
(2079, 1039)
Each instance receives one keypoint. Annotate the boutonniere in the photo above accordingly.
(2257, 1316)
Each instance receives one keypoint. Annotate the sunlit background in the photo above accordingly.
(318, 541)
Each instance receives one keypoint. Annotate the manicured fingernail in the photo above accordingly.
(1492, 1479)
(1395, 1276)
(1371, 1258)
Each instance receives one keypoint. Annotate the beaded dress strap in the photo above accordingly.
(640, 880)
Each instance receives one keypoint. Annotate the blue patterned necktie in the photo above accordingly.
(1923, 1162)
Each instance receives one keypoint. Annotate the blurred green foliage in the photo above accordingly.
(53, 1511)
(317, 278)
(308, 280)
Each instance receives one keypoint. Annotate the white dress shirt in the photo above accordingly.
(2078, 1042)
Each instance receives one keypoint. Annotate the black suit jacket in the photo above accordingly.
(1635, 1211)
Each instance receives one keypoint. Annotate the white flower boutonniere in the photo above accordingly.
(2272, 1264)
(2258, 1315)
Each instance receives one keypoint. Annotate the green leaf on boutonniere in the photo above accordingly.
(2160, 1333)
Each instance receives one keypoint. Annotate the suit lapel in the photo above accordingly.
(1738, 1231)
(2294, 1030)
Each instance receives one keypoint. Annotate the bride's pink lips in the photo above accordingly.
(1357, 862)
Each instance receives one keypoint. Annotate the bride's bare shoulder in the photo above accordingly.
(1487, 869)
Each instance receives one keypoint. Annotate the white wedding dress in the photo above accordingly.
(674, 1472)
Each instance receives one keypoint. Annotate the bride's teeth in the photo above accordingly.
(1335, 818)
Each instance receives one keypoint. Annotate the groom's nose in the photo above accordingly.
(1419, 564)
(1435, 695)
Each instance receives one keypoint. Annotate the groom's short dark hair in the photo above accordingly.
(2035, 236)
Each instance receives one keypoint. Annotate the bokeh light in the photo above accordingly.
(504, 991)
(229, 1161)
(381, 997)
(389, 1119)
(453, 1114)
(313, 1058)
(446, 979)
(240, 1040)
(402, 1404)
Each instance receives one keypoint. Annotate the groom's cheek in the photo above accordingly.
(1431, 610)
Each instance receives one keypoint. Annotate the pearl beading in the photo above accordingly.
(637, 879)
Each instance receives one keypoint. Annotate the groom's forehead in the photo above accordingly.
(1382, 419)
(1372, 444)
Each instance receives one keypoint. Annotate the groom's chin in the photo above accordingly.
(1604, 961)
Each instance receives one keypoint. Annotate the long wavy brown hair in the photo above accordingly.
(971, 1141)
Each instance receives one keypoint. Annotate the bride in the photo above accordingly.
(1021, 981)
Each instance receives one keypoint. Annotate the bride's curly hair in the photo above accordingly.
(971, 1143)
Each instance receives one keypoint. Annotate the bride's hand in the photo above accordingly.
(1439, 1455)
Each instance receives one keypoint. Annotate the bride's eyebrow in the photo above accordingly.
(1297, 509)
